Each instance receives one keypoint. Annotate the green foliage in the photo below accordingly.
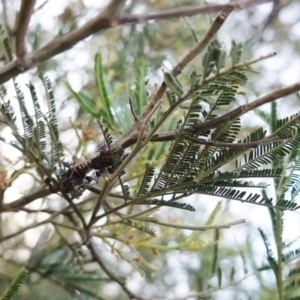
(214, 59)
(51, 119)
(286, 159)
(270, 257)
(140, 93)
(185, 145)
(117, 161)
(173, 84)
(37, 130)
(104, 112)
(64, 262)
(140, 227)
(148, 176)
(236, 52)
(15, 285)
(167, 203)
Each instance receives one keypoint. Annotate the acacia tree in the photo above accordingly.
(156, 146)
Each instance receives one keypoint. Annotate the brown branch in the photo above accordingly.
(277, 6)
(20, 30)
(277, 94)
(21, 202)
(240, 145)
(169, 136)
(96, 257)
(26, 199)
(132, 133)
(107, 19)
(60, 44)
(234, 114)
(192, 10)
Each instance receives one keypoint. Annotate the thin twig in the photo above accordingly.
(106, 19)
(41, 193)
(132, 109)
(96, 257)
(239, 145)
(27, 199)
(207, 293)
(277, 6)
(62, 43)
(215, 27)
(25, 229)
(145, 121)
(236, 113)
(41, 6)
(20, 30)
(201, 228)
(191, 11)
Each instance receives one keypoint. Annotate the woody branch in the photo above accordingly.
(105, 19)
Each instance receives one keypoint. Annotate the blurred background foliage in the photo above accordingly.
(225, 264)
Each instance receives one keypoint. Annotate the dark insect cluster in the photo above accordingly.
(88, 171)
(106, 157)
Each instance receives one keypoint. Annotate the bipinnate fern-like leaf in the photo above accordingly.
(214, 58)
(270, 257)
(9, 117)
(292, 283)
(238, 183)
(238, 77)
(140, 227)
(286, 126)
(237, 194)
(147, 178)
(172, 98)
(39, 130)
(256, 173)
(7, 48)
(236, 52)
(27, 121)
(274, 217)
(173, 84)
(266, 154)
(57, 151)
(291, 255)
(188, 169)
(170, 203)
(117, 160)
(226, 97)
(293, 182)
(113, 150)
(226, 132)
(14, 287)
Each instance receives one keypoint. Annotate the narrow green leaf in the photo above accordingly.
(173, 84)
(99, 73)
(84, 102)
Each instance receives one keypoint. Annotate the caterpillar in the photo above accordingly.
(77, 174)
